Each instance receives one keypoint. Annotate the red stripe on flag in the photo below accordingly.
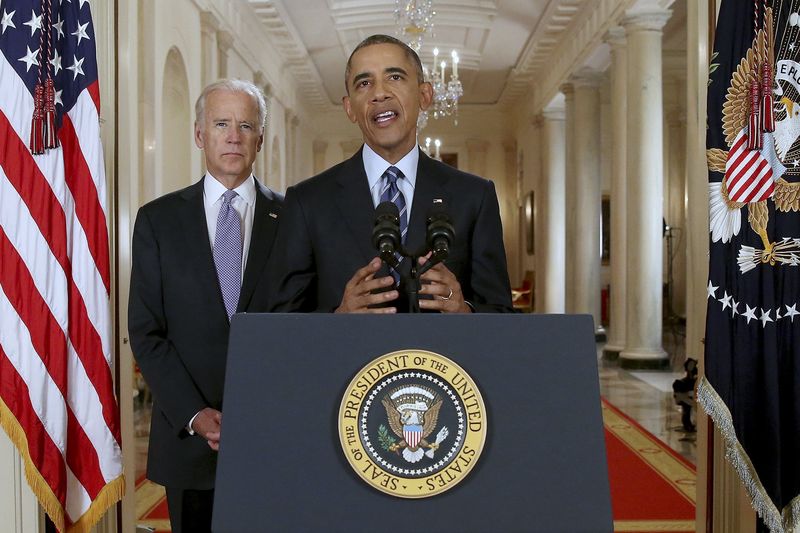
(44, 454)
(741, 167)
(87, 203)
(32, 186)
(94, 92)
(48, 340)
(753, 175)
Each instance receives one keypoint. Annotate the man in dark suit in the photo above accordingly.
(199, 255)
(325, 260)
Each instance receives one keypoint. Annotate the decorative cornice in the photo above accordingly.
(646, 19)
(587, 78)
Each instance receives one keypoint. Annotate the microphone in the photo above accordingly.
(386, 232)
(441, 234)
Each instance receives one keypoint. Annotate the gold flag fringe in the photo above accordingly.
(776, 521)
(108, 496)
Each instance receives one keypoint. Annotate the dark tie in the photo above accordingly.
(228, 252)
(391, 193)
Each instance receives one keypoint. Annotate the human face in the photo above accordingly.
(229, 135)
(385, 98)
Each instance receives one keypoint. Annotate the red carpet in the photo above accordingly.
(652, 487)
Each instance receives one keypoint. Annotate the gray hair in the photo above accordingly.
(236, 86)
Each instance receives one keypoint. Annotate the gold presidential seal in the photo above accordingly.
(412, 423)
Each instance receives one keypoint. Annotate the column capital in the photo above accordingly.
(615, 37)
(510, 146)
(553, 113)
(646, 16)
(477, 145)
(351, 146)
(209, 23)
(567, 89)
(587, 77)
(319, 146)
(224, 40)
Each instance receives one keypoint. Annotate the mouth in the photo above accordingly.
(384, 117)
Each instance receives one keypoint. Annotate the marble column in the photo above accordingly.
(224, 43)
(319, 148)
(551, 197)
(509, 212)
(583, 201)
(675, 210)
(570, 181)
(209, 65)
(618, 203)
(645, 166)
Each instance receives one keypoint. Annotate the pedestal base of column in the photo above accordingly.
(643, 359)
(611, 351)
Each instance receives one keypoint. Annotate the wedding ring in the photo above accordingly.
(448, 296)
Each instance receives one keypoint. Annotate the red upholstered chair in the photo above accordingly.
(523, 296)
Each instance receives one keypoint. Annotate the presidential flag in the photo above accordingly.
(751, 387)
(57, 400)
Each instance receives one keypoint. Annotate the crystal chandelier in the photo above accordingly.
(414, 19)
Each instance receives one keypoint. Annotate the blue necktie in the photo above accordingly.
(228, 252)
(391, 193)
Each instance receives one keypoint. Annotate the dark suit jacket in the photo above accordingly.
(178, 325)
(326, 235)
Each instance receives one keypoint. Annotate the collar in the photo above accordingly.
(213, 189)
(375, 165)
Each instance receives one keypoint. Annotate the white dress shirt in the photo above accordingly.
(375, 166)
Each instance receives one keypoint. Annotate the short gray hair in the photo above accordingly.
(235, 86)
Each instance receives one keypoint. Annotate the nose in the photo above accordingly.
(380, 92)
(234, 135)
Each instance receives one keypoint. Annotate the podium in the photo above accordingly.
(281, 466)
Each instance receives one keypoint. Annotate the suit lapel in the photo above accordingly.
(428, 188)
(265, 224)
(355, 205)
(198, 244)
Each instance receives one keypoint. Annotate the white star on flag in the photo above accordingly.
(35, 23)
(791, 312)
(726, 301)
(711, 290)
(57, 100)
(77, 67)
(30, 58)
(778, 314)
(56, 62)
(59, 26)
(80, 33)
(765, 317)
(7, 21)
(734, 308)
(749, 313)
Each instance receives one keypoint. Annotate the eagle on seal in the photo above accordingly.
(413, 412)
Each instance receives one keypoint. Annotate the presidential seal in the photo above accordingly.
(412, 423)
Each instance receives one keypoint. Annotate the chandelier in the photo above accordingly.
(437, 144)
(414, 20)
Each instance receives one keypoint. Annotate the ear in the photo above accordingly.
(425, 95)
(348, 109)
(260, 141)
(198, 136)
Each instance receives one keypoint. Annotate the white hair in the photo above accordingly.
(236, 86)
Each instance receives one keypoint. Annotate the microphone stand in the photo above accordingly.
(412, 283)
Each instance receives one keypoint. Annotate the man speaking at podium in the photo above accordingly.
(324, 258)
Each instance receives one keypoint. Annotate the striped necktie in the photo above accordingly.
(228, 252)
(391, 193)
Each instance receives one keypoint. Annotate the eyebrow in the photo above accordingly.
(388, 70)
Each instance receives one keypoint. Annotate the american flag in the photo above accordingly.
(57, 400)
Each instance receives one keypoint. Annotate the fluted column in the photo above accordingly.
(551, 252)
(509, 213)
(319, 148)
(570, 181)
(645, 166)
(209, 25)
(584, 199)
(618, 205)
(224, 43)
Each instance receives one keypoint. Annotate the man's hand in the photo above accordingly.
(207, 424)
(445, 289)
(358, 293)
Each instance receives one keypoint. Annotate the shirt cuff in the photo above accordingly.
(189, 429)
(471, 307)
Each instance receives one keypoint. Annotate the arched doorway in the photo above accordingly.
(176, 125)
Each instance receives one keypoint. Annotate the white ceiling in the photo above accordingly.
(501, 43)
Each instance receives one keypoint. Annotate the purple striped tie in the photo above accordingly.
(228, 252)
(391, 193)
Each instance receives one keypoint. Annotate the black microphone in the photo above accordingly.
(386, 232)
(441, 234)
